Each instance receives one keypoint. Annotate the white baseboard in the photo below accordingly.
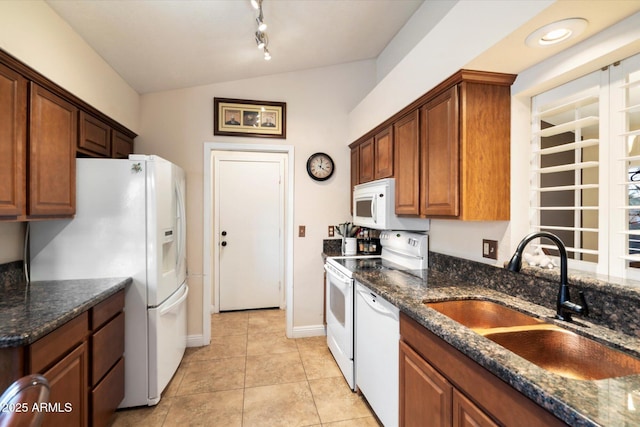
(195, 341)
(308, 331)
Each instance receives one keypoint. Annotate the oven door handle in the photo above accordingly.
(339, 278)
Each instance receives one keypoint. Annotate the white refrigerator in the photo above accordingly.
(130, 221)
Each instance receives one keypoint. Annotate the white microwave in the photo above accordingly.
(374, 205)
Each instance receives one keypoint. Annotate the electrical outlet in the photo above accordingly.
(490, 249)
(331, 231)
(302, 230)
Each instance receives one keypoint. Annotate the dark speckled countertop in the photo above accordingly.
(27, 313)
(607, 402)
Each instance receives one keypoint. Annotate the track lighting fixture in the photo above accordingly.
(261, 25)
(262, 41)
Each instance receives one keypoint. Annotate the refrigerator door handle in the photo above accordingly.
(181, 227)
(175, 305)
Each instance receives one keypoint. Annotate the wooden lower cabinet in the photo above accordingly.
(425, 395)
(440, 386)
(68, 399)
(466, 414)
(107, 362)
(84, 364)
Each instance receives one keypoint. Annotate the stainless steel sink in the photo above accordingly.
(549, 346)
(480, 315)
(566, 353)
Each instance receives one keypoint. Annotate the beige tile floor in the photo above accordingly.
(253, 375)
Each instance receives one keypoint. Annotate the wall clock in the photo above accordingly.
(320, 166)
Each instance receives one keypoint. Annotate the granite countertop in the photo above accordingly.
(607, 402)
(28, 312)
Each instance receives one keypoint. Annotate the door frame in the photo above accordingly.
(209, 261)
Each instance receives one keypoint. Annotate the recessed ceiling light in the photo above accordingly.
(557, 32)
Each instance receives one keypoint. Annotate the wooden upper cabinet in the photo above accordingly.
(383, 154)
(53, 131)
(407, 163)
(95, 136)
(451, 150)
(439, 189)
(122, 145)
(13, 141)
(485, 150)
(365, 168)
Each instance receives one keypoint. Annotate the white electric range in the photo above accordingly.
(401, 250)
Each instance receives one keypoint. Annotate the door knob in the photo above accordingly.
(224, 243)
(224, 233)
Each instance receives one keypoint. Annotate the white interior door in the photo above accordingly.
(250, 218)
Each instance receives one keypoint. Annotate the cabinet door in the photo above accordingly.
(383, 154)
(95, 136)
(407, 164)
(467, 414)
(13, 123)
(425, 395)
(53, 135)
(355, 172)
(440, 156)
(122, 145)
(68, 380)
(366, 161)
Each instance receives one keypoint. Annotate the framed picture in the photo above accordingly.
(240, 117)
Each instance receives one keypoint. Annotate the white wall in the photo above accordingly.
(175, 124)
(443, 51)
(33, 33)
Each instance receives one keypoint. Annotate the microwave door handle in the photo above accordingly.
(374, 208)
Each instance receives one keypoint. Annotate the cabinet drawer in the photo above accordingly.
(52, 347)
(108, 308)
(108, 347)
(106, 397)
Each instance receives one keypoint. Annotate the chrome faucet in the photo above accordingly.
(564, 306)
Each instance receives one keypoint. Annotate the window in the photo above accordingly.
(585, 183)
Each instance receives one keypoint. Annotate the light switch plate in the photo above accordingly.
(302, 230)
(331, 231)
(490, 249)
